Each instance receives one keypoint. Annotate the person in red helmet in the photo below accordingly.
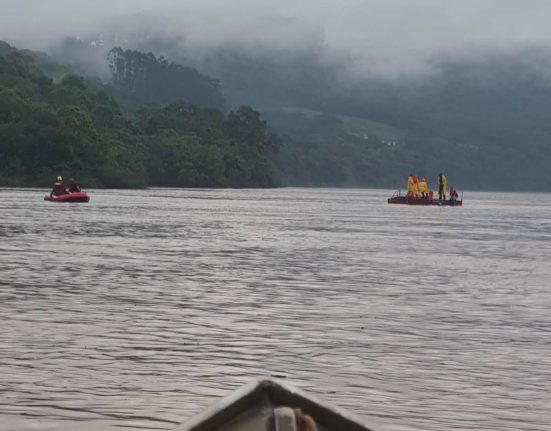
(59, 187)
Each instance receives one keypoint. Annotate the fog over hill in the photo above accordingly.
(466, 84)
(379, 37)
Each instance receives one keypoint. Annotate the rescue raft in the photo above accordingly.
(399, 198)
(69, 197)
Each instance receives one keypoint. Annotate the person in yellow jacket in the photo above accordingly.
(423, 187)
(442, 183)
(412, 185)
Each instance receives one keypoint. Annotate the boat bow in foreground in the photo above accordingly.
(250, 407)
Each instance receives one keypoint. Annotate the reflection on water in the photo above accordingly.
(143, 307)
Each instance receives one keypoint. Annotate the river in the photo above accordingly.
(141, 308)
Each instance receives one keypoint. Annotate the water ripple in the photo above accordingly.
(141, 308)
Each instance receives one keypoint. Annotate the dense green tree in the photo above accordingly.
(196, 147)
(72, 128)
(48, 128)
(143, 79)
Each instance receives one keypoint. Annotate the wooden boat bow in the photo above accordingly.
(249, 407)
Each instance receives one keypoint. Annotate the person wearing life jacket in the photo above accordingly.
(411, 185)
(73, 186)
(416, 185)
(453, 193)
(423, 187)
(441, 186)
(430, 195)
(59, 187)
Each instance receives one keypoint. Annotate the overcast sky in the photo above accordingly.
(389, 33)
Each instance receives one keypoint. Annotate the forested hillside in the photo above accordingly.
(73, 128)
(140, 79)
(482, 120)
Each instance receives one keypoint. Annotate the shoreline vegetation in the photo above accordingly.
(152, 122)
(50, 128)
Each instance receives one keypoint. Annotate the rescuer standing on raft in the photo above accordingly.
(412, 186)
(442, 186)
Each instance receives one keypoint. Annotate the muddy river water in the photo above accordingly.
(141, 308)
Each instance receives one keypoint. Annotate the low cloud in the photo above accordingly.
(383, 37)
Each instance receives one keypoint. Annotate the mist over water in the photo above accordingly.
(141, 308)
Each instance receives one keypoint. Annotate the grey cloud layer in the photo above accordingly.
(386, 33)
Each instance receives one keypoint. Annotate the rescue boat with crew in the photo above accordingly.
(399, 198)
(68, 197)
